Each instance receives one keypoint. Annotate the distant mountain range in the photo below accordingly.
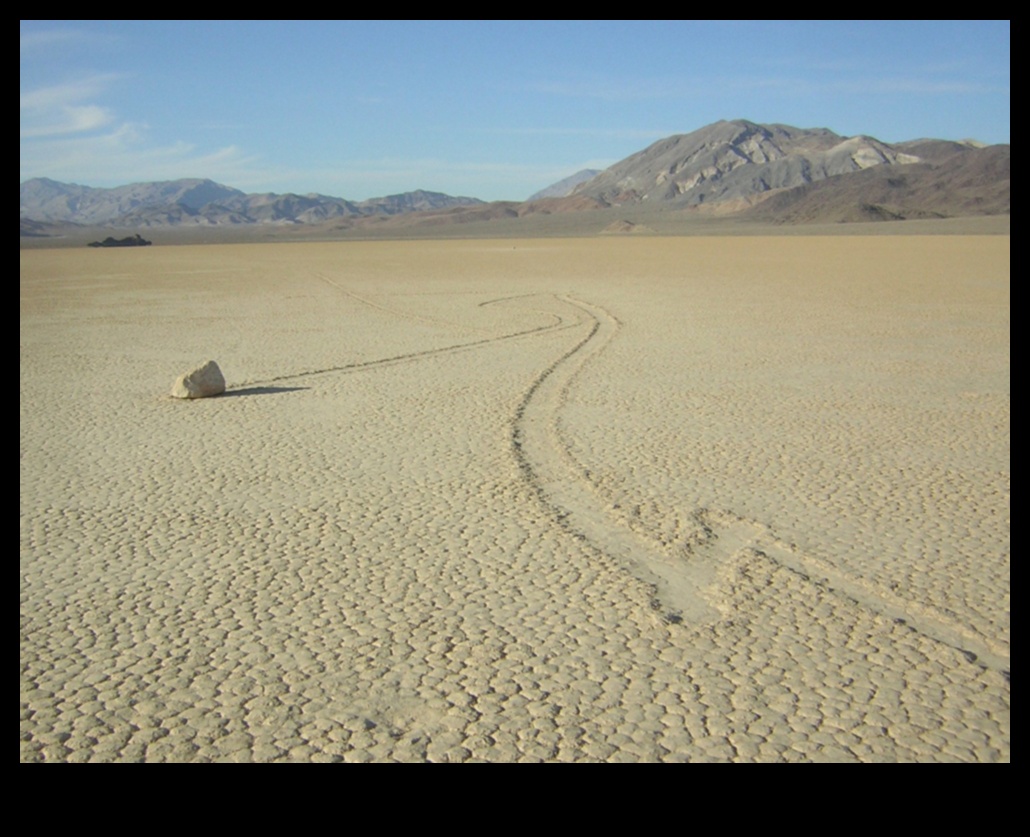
(768, 173)
(204, 202)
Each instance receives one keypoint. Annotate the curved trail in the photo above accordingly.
(558, 324)
(435, 321)
(562, 486)
(736, 534)
(683, 575)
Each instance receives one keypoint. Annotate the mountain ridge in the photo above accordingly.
(201, 201)
(773, 173)
(734, 159)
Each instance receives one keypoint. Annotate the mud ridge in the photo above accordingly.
(549, 468)
(557, 325)
(684, 576)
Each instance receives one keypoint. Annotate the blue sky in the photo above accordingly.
(494, 110)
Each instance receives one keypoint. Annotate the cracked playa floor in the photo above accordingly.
(589, 500)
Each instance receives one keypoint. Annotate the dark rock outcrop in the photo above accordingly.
(131, 241)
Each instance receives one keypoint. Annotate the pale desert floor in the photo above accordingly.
(702, 499)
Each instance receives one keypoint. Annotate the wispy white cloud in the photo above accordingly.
(807, 64)
(600, 133)
(63, 109)
(611, 90)
(70, 119)
(67, 134)
(124, 155)
(365, 178)
(47, 38)
(56, 95)
(918, 86)
(865, 84)
(410, 168)
(822, 81)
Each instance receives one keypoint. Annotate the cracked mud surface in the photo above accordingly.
(650, 500)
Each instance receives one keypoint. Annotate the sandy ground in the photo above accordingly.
(579, 500)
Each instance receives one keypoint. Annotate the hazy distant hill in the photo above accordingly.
(204, 202)
(564, 188)
(44, 229)
(43, 199)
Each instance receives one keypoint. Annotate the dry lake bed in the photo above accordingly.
(598, 499)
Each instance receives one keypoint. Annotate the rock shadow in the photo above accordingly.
(259, 391)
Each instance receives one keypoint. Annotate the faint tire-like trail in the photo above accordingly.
(557, 324)
(564, 488)
(685, 574)
(733, 535)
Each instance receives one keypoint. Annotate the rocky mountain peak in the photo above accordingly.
(736, 160)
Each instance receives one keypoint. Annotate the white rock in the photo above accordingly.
(202, 382)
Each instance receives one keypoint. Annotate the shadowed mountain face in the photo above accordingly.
(967, 181)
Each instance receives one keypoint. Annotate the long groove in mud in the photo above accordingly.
(681, 580)
(558, 325)
(543, 460)
(394, 312)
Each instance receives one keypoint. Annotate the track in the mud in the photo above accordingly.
(683, 576)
